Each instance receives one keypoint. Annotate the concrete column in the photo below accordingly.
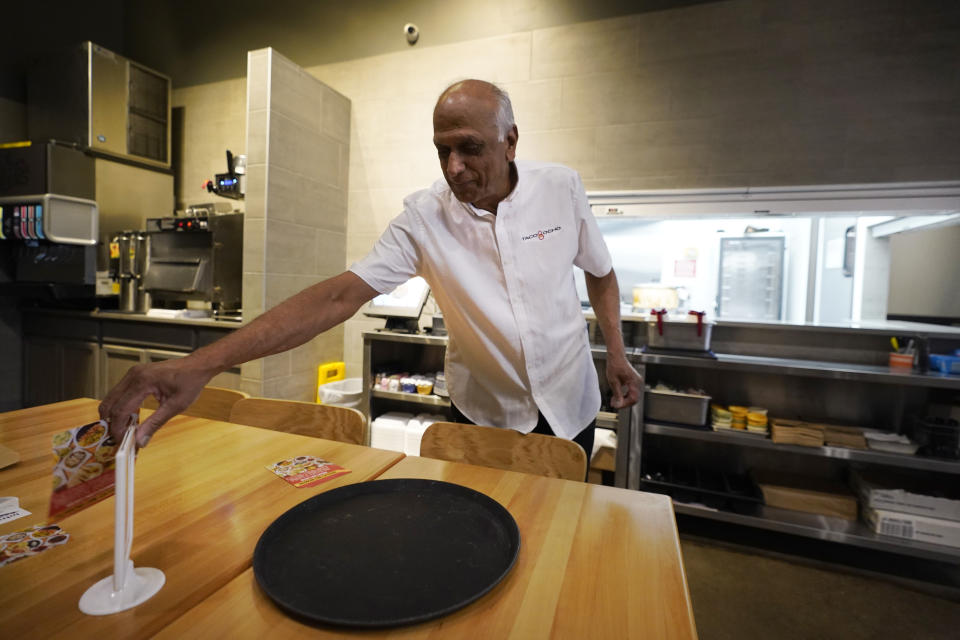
(298, 135)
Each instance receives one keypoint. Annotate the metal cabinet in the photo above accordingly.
(56, 370)
(116, 360)
(69, 354)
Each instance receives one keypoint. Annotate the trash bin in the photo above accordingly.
(343, 393)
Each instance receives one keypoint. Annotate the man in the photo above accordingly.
(497, 243)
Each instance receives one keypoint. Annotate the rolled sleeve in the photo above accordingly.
(592, 253)
(394, 258)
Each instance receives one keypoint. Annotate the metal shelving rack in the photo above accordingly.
(843, 453)
(430, 399)
(823, 528)
(808, 368)
(795, 522)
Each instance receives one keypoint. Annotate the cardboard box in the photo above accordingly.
(906, 494)
(913, 527)
(808, 494)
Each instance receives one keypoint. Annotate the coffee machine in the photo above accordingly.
(128, 263)
(197, 257)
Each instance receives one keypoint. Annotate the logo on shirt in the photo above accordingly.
(540, 234)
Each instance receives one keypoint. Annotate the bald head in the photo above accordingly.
(495, 98)
(476, 142)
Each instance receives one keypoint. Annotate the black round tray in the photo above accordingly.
(386, 553)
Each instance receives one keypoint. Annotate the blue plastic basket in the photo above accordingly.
(945, 363)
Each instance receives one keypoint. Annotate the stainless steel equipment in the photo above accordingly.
(673, 406)
(195, 258)
(751, 278)
(687, 333)
(103, 102)
(129, 252)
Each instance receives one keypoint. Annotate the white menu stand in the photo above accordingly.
(127, 587)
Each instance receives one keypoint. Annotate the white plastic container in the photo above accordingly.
(389, 431)
(342, 393)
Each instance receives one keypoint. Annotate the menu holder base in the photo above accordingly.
(141, 585)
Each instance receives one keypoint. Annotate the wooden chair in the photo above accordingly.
(505, 449)
(304, 418)
(214, 403)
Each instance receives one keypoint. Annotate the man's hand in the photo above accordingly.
(174, 383)
(177, 383)
(625, 382)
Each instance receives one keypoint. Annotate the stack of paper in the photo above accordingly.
(806, 493)
(905, 506)
(796, 432)
(838, 436)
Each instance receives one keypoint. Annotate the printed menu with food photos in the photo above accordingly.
(85, 468)
(29, 542)
(307, 471)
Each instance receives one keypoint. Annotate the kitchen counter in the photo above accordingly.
(885, 327)
(140, 317)
(71, 353)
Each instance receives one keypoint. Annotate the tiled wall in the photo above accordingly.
(298, 131)
(745, 92)
(210, 118)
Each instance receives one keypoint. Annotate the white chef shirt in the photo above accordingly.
(517, 336)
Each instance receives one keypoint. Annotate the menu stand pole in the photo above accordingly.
(127, 587)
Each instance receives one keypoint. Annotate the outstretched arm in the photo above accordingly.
(625, 382)
(177, 383)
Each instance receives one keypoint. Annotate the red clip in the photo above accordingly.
(659, 313)
(699, 315)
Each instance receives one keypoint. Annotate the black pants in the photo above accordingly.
(584, 438)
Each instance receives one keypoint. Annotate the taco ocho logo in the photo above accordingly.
(540, 234)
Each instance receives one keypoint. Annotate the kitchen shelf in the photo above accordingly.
(842, 453)
(410, 338)
(823, 528)
(808, 368)
(428, 399)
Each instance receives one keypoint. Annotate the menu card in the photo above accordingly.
(307, 471)
(85, 469)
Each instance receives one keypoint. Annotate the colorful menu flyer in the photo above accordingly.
(307, 471)
(29, 542)
(85, 470)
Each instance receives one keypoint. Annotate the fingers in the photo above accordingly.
(633, 394)
(625, 384)
(616, 393)
(148, 427)
(122, 401)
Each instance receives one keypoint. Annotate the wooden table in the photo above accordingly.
(203, 497)
(595, 562)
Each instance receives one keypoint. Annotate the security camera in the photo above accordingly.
(413, 34)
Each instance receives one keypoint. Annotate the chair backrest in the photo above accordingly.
(213, 403)
(505, 449)
(304, 418)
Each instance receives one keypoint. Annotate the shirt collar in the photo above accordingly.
(510, 196)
